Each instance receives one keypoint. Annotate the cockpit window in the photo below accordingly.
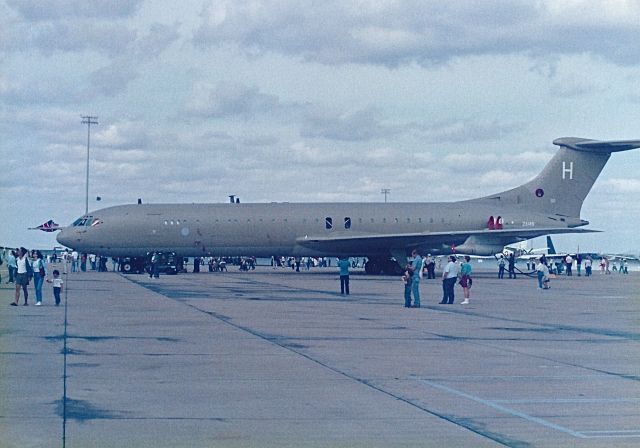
(83, 221)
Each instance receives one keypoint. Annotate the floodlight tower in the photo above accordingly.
(88, 120)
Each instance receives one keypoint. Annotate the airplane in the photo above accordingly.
(548, 204)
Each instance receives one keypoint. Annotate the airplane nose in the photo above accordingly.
(64, 238)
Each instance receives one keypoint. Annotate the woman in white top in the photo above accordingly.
(22, 276)
(39, 273)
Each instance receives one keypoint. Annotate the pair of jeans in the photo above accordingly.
(344, 284)
(540, 277)
(407, 295)
(38, 280)
(415, 287)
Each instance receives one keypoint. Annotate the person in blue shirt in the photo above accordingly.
(416, 269)
(343, 265)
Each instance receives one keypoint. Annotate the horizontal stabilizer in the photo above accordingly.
(583, 144)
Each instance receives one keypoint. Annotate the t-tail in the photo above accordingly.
(561, 187)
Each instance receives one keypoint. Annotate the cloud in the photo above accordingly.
(402, 32)
(361, 125)
(114, 78)
(41, 10)
(621, 186)
(229, 99)
(466, 130)
(122, 135)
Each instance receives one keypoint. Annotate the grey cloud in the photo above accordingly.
(229, 99)
(105, 38)
(462, 131)
(412, 31)
(569, 87)
(114, 78)
(362, 125)
(39, 10)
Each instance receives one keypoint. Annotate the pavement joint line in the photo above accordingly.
(503, 409)
(362, 381)
(568, 401)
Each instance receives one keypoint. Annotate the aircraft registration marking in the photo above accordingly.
(528, 223)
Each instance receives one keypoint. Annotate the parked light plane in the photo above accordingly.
(548, 204)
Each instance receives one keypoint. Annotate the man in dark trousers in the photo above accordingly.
(512, 265)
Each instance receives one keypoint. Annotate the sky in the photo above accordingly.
(311, 101)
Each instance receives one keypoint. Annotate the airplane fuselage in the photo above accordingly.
(287, 228)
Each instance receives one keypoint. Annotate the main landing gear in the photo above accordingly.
(382, 265)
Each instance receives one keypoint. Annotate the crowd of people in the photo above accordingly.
(25, 267)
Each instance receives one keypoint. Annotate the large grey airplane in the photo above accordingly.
(383, 232)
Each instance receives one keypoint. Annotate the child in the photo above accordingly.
(57, 285)
(406, 280)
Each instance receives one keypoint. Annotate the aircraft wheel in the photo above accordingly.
(391, 267)
(127, 268)
(372, 267)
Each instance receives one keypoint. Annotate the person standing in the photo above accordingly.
(449, 277)
(587, 266)
(416, 268)
(512, 265)
(23, 273)
(501, 264)
(568, 263)
(465, 280)
(12, 266)
(155, 265)
(579, 264)
(39, 274)
(74, 261)
(343, 266)
(431, 267)
(406, 280)
(57, 285)
(540, 272)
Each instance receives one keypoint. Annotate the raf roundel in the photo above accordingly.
(539, 192)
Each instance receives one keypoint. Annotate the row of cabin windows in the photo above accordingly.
(328, 221)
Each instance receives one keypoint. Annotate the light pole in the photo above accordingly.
(88, 120)
(385, 192)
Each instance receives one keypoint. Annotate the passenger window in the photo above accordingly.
(328, 223)
(347, 223)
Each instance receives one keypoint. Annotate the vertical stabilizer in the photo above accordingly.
(551, 250)
(565, 181)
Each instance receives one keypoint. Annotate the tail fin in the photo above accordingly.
(565, 181)
(550, 249)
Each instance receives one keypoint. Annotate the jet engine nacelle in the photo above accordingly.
(474, 246)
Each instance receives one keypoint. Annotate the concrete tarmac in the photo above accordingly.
(272, 358)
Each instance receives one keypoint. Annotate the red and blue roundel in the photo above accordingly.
(539, 192)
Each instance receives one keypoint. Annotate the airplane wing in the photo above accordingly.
(362, 243)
